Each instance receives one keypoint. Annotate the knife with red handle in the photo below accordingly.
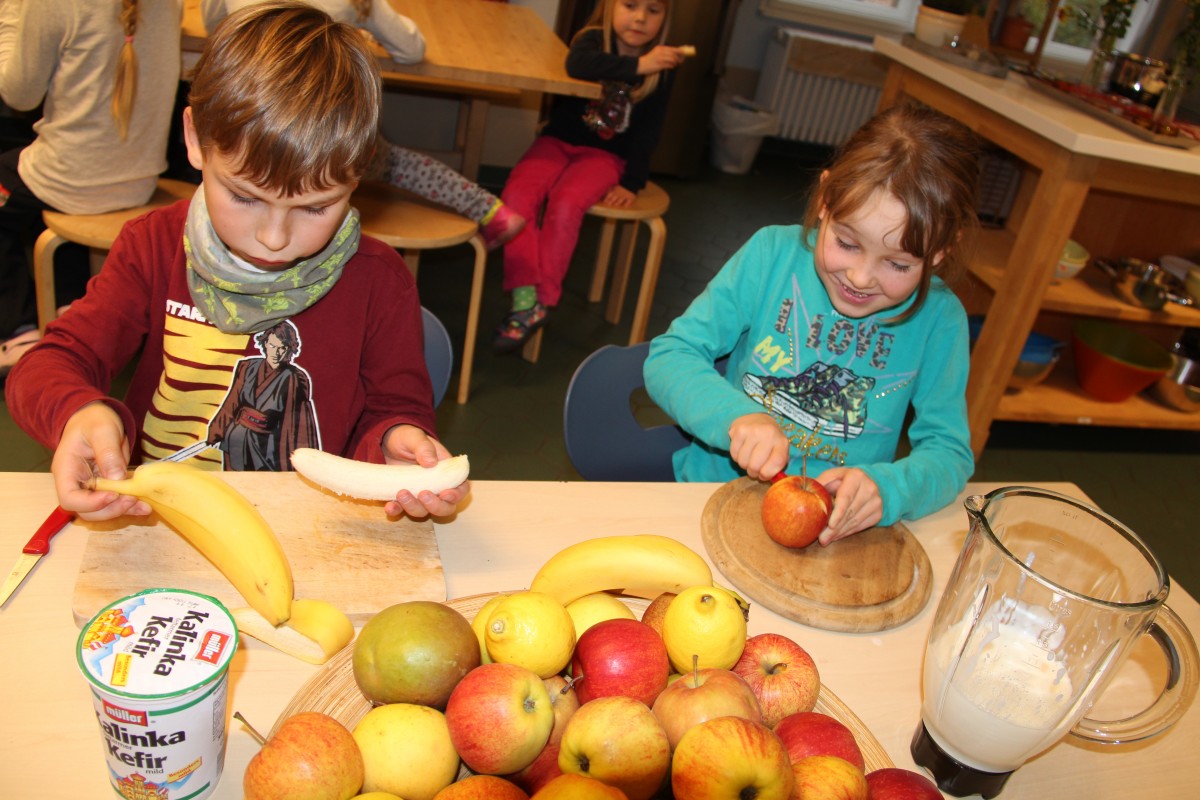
(32, 552)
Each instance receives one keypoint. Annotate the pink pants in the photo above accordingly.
(568, 179)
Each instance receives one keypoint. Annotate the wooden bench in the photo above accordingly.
(651, 204)
(95, 231)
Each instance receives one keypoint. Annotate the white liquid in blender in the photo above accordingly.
(1010, 699)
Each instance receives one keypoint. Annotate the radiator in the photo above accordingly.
(822, 88)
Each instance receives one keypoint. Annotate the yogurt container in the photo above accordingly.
(157, 664)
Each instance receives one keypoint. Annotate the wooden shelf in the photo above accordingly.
(1087, 294)
(1059, 399)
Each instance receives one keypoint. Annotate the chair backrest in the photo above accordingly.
(439, 354)
(604, 439)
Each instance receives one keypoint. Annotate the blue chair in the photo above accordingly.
(604, 439)
(439, 354)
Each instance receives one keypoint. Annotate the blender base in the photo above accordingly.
(950, 774)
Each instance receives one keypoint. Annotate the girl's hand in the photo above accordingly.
(408, 444)
(619, 197)
(758, 445)
(658, 59)
(95, 436)
(856, 503)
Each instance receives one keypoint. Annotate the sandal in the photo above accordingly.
(517, 327)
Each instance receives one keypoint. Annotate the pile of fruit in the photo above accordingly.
(561, 691)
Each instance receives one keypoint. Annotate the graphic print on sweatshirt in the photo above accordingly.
(815, 378)
(252, 410)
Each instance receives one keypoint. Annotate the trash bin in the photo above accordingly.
(739, 126)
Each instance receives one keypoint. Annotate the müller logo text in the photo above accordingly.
(125, 715)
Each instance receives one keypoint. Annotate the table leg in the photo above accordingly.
(477, 111)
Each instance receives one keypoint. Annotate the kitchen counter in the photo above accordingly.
(1067, 155)
(52, 746)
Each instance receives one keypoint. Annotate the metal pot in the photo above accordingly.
(1144, 284)
(1138, 78)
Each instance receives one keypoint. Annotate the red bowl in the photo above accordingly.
(1113, 363)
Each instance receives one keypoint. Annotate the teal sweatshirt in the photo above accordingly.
(840, 387)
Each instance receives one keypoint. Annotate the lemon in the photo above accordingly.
(597, 607)
(531, 630)
(479, 625)
(705, 622)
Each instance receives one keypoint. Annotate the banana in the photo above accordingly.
(644, 565)
(377, 481)
(221, 524)
(314, 633)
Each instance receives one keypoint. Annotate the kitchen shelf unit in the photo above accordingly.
(1068, 156)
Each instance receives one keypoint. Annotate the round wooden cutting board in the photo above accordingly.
(871, 581)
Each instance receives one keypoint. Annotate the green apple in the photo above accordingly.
(500, 718)
(619, 741)
(311, 757)
(731, 757)
(406, 750)
(414, 652)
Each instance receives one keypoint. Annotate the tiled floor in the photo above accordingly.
(512, 426)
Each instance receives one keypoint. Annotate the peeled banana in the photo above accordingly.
(377, 481)
(314, 633)
(643, 565)
(221, 524)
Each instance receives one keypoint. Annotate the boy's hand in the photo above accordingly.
(658, 59)
(856, 503)
(408, 444)
(619, 197)
(93, 436)
(758, 445)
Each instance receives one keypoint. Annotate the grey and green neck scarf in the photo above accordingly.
(237, 301)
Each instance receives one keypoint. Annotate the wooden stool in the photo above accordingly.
(411, 224)
(96, 231)
(649, 207)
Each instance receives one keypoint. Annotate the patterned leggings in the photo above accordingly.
(429, 178)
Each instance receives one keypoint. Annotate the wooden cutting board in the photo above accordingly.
(344, 551)
(871, 581)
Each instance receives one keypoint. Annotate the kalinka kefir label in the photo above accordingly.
(157, 663)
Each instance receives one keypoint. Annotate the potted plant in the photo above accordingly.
(939, 21)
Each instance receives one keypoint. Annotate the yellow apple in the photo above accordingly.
(406, 750)
(312, 756)
(578, 787)
(619, 741)
(482, 787)
(731, 757)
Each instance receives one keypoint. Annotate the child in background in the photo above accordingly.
(105, 72)
(590, 151)
(834, 328)
(399, 166)
(257, 297)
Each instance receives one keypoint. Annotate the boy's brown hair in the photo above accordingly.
(927, 161)
(290, 95)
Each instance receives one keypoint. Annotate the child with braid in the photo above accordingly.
(106, 72)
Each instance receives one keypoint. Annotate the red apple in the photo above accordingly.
(654, 613)
(500, 718)
(828, 778)
(702, 695)
(312, 755)
(781, 673)
(540, 771)
(482, 787)
(731, 757)
(893, 783)
(620, 657)
(811, 733)
(617, 740)
(795, 510)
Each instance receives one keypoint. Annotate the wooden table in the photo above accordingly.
(497, 542)
(1070, 154)
(479, 51)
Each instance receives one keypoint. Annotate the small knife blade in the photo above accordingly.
(37, 547)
